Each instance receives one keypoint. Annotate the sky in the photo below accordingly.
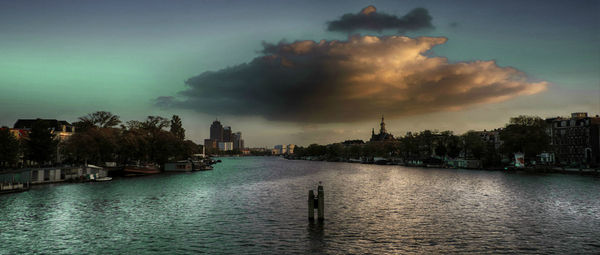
(300, 72)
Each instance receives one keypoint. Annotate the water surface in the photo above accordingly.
(258, 205)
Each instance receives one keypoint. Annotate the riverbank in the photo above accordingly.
(420, 164)
(19, 180)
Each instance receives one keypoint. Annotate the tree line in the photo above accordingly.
(525, 134)
(101, 137)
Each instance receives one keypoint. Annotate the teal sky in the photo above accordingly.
(64, 59)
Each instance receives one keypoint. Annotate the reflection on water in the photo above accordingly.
(258, 205)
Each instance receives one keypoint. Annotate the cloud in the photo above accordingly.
(369, 19)
(350, 81)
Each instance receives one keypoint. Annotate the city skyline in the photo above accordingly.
(64, 60)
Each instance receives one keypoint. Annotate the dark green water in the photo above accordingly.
(258, 205)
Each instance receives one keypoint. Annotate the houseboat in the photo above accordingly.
(133, 170)
(179, 166)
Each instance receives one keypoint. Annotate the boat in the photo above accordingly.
(179, 166)
(205, 167)
(201, 166)
(103, 179)
(140, 170)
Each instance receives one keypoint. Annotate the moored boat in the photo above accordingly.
(201, 166)
(179, 166)
(140, 170)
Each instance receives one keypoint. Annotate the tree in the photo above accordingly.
(155, 123)
(9, 148)
(133, 145)
(81, 146)
(101, 119)
(41, 145)
(453, 146)
(425, 141)
(409, 146)
(473, 145)
(177, 128)
(526, 134)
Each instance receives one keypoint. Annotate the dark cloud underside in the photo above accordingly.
(370, 19)
(347, 81)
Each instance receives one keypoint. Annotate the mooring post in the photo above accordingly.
(311, 205)
(321, 198)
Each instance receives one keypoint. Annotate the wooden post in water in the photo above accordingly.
(321, 198)
(311, 205)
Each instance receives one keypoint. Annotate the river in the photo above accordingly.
(257, 205)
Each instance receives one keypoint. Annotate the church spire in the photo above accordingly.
(382, 129)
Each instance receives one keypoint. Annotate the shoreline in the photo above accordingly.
(529, 170)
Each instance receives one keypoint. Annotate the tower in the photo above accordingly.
(382, 129)
(216, 131)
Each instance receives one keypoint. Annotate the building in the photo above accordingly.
(238, 142)
(491, 137)
(210, 144)
(216, 131)
(60, 128)
(283, 149)
(383, 134)
(290, 148)
(227, 134)
(575, 140)
(219, 134)
(225, 146)
(279, 149)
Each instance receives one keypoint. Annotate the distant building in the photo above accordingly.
(60, 128)
(290, 148)
(219, 134)
(225, 146)
(216, 131)
(19, 133)
(238, 142)
(383, 134)
(283, 149)
(227, 134)
(491, 136)
(279, 149)
(210, 144)
(576, 140)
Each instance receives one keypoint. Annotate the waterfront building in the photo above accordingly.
(210, 144)
(491, 137)
(60, 128)
(225, 146)
(216, 131)
(383, 135)
(290, 148)
(238, 142)
(279, 149)
(575, 140)
(19, 133)
(219, 134)
(227, 134)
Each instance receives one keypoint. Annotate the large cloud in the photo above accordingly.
(353, 80)
(369, 19)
